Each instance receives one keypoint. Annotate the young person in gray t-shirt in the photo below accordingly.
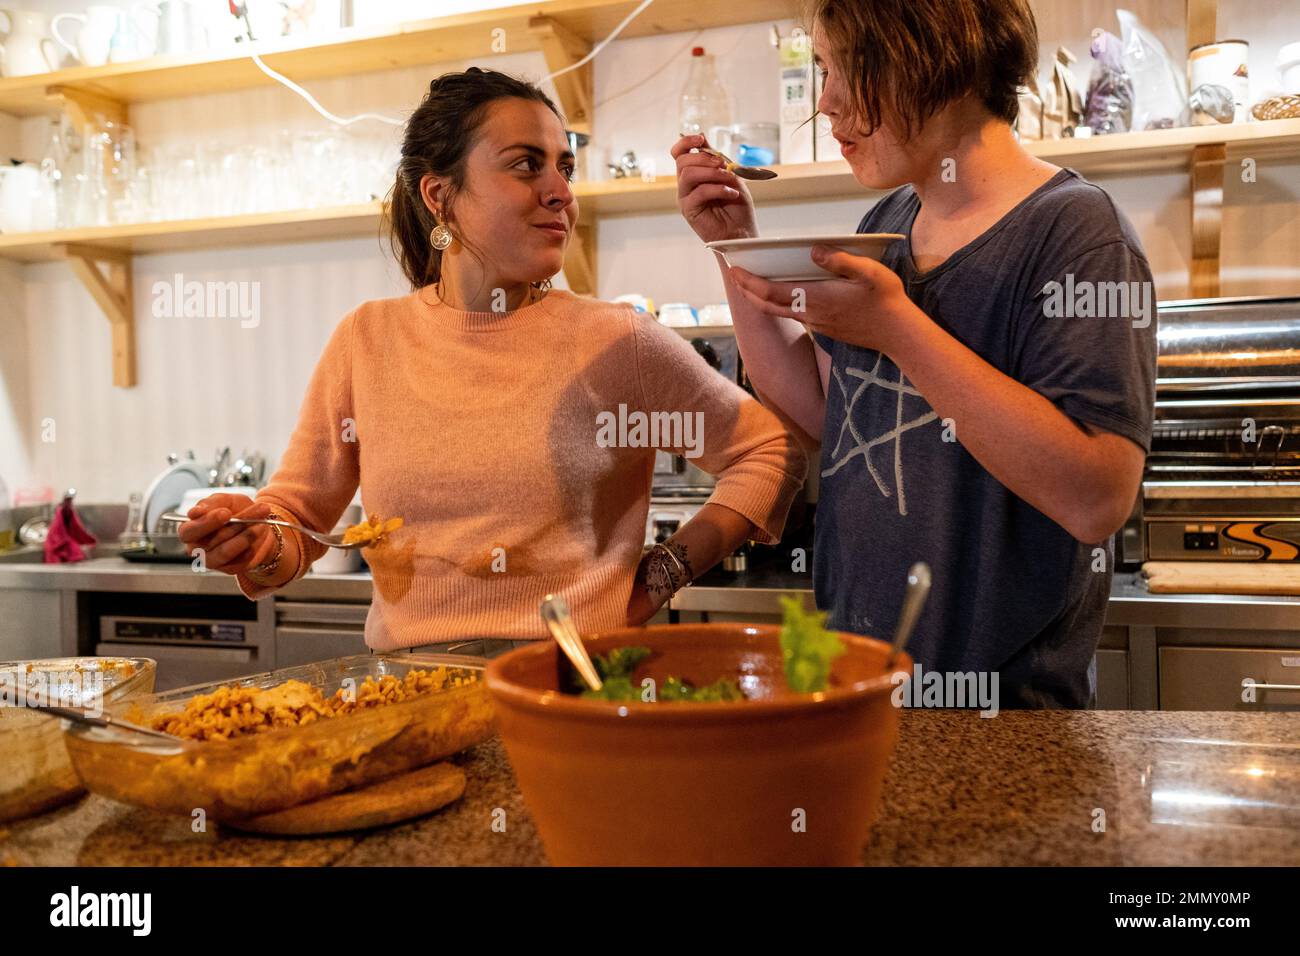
(983, 396)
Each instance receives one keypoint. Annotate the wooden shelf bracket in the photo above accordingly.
(81, 106)
(112, 292)
(562, 48)
(580, 260)
(1207, 218)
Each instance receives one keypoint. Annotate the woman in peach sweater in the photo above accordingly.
(479, 409)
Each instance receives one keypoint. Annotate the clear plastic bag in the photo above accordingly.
(1159, 90)
(1109, 104)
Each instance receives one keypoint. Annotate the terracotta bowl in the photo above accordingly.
(780, 779)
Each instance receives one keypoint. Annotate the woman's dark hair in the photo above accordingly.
(908, 59)
(437, 140)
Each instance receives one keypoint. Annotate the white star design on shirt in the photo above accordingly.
(863, 446)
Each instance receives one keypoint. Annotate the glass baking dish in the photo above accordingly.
(261, 773)
(35, 773)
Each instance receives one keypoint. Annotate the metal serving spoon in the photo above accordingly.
(744, 172)
(555, 612)
(329, 540)
(112, 723)
(918, 589)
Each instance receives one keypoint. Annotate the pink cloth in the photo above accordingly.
(67, 535)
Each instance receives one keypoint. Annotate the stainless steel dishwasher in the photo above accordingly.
(308, 631)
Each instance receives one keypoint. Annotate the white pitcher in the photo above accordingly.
(110, 34)
(28, 48)
(97, 26)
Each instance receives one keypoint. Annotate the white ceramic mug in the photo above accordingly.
(28, 48)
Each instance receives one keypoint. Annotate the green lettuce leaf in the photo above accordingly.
(807, 647)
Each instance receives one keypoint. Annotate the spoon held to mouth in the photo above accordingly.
(744, 172)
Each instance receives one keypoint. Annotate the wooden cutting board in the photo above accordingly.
(398, 798)
(1222, 577)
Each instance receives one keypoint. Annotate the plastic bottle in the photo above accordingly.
(704, 103)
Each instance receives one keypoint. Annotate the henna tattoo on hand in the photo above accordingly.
(679, 552)
(652, 574)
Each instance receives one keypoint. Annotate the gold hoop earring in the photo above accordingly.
(440, 237)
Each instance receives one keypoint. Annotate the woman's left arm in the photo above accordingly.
(715, 532)
(1082, 477)
(724, 431)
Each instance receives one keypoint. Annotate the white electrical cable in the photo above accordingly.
(311, 100)
(602, 44)
(379, 117)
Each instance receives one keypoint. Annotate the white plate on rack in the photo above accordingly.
(790, 259)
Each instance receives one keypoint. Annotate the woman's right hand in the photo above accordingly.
(715, 203)
(232, 548)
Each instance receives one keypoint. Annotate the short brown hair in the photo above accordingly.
(911, 58)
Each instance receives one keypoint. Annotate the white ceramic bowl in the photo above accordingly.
(790, 259)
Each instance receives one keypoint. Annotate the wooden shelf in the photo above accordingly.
(1168, 148)
(1128, 152)
(1122, 153)
(306, 225)
(464, 36)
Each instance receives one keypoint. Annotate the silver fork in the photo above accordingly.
(329, 540)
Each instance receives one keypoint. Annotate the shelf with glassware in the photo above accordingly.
(113, 245)
(1120, 153)
(94, 100)
(564, 31)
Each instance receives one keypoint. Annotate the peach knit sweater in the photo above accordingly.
(481, 431)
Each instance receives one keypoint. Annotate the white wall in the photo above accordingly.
(208, 383)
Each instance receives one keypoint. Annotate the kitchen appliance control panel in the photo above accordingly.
(172, 630)
(1223, 539)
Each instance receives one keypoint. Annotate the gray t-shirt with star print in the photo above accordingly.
(1039, 297)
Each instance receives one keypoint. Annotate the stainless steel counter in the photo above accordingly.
(756, 592)
(116, 574)
(1184, 651)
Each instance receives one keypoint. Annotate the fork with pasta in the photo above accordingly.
(364, 534)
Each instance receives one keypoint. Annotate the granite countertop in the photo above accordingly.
(1020, 788)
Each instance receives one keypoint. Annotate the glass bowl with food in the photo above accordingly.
(272, 741)
(37, 775)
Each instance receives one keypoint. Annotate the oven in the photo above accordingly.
(1222, 481)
